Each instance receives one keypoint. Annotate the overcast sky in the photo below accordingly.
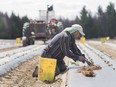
(64, 8)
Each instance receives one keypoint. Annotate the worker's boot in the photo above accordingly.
(35, 73)
(62, 67)
(57, 71)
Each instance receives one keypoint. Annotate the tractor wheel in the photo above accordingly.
(25, 43)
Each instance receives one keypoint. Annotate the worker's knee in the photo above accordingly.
(60, 69)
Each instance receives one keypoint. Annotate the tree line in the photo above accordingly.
(100, 25)
(11, 27)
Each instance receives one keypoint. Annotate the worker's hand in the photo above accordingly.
(82, 59)
(83, 55)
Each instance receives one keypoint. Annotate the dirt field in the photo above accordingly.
(105, 49)
(7, 49)
(22, 77)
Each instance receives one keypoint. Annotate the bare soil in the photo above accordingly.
(105, 49)
(11, 48)
(21, 76)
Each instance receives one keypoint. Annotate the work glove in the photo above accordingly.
(87, 61)
(82, 59)
(90, 63)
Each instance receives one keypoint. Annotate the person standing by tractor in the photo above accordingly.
(54, 27)
(60, 26)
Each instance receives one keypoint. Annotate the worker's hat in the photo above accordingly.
(79, 28)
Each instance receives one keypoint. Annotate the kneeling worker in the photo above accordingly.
(63, 44)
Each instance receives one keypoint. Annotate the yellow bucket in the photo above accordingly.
(103, 40)
(47, 68)
(82, 40)
(107, 38)
(18, 40)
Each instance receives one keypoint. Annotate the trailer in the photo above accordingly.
(40, 28)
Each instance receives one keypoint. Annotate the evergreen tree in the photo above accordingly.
(84, 21)
(101, 23)
(111, 20)
(4, 26)
(91, 32)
